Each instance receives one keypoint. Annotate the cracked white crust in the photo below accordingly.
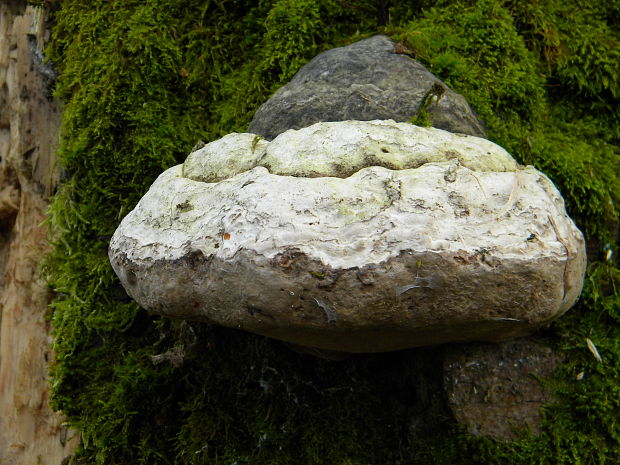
(365, 218)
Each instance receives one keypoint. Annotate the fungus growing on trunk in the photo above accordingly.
(354, 237)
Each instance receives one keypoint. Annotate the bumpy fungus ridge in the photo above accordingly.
(327, 150)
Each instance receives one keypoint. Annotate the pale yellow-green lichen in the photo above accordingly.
(340, 149)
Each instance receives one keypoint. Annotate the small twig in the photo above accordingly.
(594, 350)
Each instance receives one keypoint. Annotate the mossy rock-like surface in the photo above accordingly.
(372, 79)
(142, 81)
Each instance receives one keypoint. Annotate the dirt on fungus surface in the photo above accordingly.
(30, 431)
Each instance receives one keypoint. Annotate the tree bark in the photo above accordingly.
(30, 431)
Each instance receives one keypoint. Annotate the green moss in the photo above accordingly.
(142, 81)
(432, 97)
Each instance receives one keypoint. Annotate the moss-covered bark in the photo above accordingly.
(143, 80)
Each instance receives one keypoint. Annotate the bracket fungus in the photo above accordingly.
(354, 237)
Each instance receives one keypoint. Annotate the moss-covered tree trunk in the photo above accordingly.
(142, 81)
(30, 431)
